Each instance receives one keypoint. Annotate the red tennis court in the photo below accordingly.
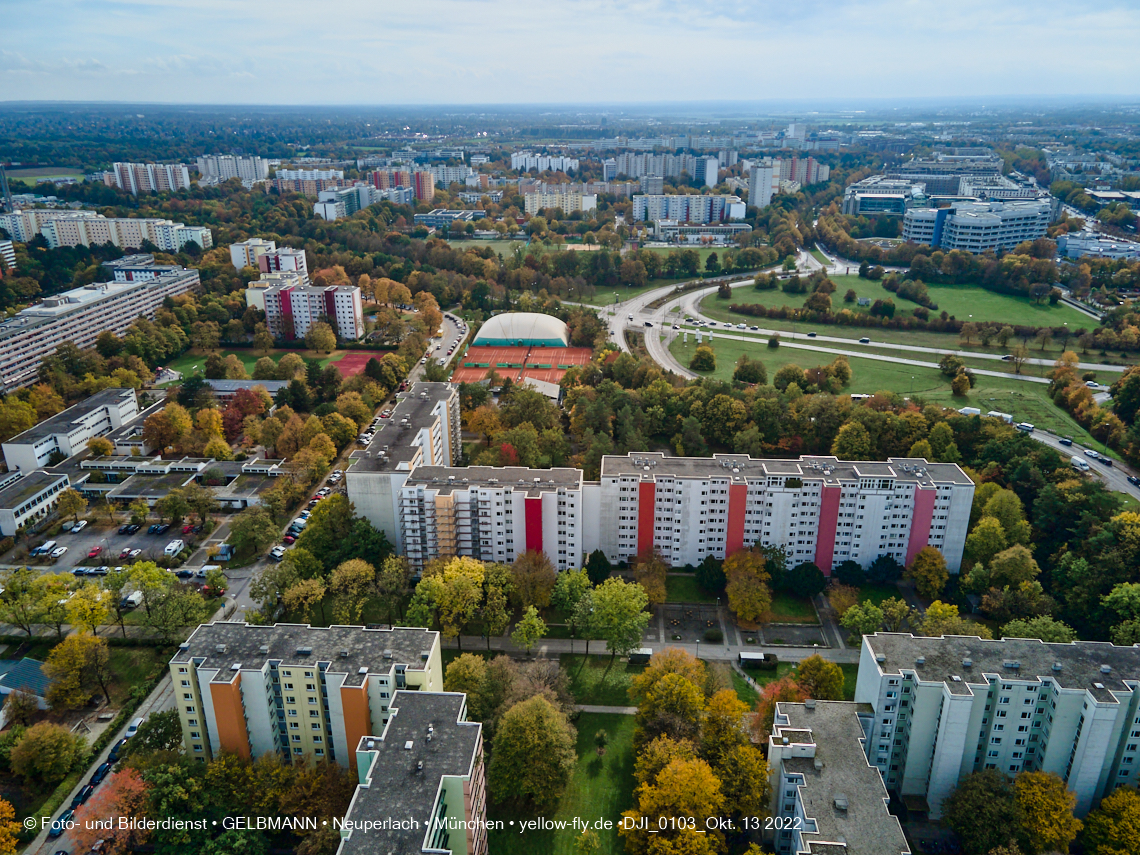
(353, 362)
(537, 363)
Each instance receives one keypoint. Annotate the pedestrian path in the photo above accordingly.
(601, 708)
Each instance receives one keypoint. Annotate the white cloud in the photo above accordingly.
(570, 51)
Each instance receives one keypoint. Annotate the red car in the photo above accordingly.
(289, 539)
(186, 529)
(125, 553)
(95, 552)
(207, 591)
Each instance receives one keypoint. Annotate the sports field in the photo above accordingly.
(194, 361)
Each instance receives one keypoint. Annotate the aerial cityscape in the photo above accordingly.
(465, 431)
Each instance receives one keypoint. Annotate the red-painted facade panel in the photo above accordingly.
(646, 493)
(828, 525)
(920, 522)
(533, 523)
(287, 313)
(737, 504)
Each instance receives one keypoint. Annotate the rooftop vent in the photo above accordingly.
(363, 669)
(304, 651)
(425, 655)
(784, 740)
(220, 648)
(967, 663)
(1011, 663)
(263, 650)
(236, 666)
(956, 678)
(880, 658)
(921, 660)
(818, 764)
(840, 801)
(1057, 666)
(419, 765)
(387, 654)
(1098, 686)
(370, 744)
(431, 728)
(1106, 669)
(185, 645)
(344, 654)
(809, 704)
(408, 745)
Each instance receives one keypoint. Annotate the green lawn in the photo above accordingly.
(1128, 502)
(500, 247)
(789, 609)
(820, 257)
(744, 691)
(134, 665)
(877, 593)
(589, 684)
(605, 296)
(1025, 401)
(600, 787)
(684, 589)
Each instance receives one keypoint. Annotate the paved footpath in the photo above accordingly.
(601, 708)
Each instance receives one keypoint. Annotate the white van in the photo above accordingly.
(1078, 464)
(970, 411)
(132, 600)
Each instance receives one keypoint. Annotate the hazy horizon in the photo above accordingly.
(465, 53)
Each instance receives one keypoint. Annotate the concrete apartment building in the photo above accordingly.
(216, 168)
(268, 258)
(978, 226)
(148, 177)
(7, 257)
(688, 208)
(291, 310)
(825, 797)
(760, 185)
(568, 201)
(68, 432)
(84, 228)
(525, 161)
(255, 291)
(295, 690)
(423, 183)
(819, 509)
(79, 315)
(423, 430)
(26, 497)
(307, 182)
(942, 708)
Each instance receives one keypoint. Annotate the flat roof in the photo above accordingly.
(32, 484)
(839, 772)
(64, 422)
(145, 486)
(650, 465)
(1071, 666)
(253, 646)
(447, 479)
(270, 386)
(402, 788)
(393, 436)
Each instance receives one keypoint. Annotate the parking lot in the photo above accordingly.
(100, 534)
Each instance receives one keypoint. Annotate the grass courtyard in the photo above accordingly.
(589, 683)
(684, 589)
(600, 787)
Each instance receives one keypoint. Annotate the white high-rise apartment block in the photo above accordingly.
(268, 258)
(246, 253)
(946, 707)
(569, 202)
(215, 168)
(760, 186)
(684, 208)
(310, 174)
(819, 509)
(148, 177)
(708, 170)
(525, 160)
(8, 254)
(84, 228)
(290, 310)
(79, 315)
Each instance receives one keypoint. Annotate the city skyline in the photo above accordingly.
(422, 54)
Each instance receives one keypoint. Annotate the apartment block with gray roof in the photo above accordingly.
(946, 707)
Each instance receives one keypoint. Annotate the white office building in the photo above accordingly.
(946, 707)
(27, 497)
(79, 315)
(978, 226)
(67, 433)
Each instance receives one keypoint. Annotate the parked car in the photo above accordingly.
(163, 529)
(1024, 427)
(59, 552)
(153, 529)
(82, 796)
(79, 526)
(125, 552)
(99, 571)
(207, 591)
(183, 573)
(174, 547)
(125, 528)
(811, 335)
(186, 529)
(101, 773)
(134, 528)
(79, 571)
(135, 553)
(94, 551)
(59, 826)
(134, 727)
(1092, 384)
(114, 755)
(290, 539)
(277, 553)
(44, 548)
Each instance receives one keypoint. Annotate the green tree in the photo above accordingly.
(598, 567)
(862, 619)
(252, 530)
(46, 753)
(568, 590)
(175, 609)
(853, 442)
(71, 504)
(704, 359)
(160, 732)
(619, 616)
(747, 588)
(529, 630)
(21, 604)
(1042, 627)
(896, 612)
(820, 679)
(320, 338)
(743, 774)
(468, 673)
(533, 755)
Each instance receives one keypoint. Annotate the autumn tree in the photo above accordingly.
(723, 727)
(1114, 827)
(672, 707)
(123, 794)
(533, 755)
(687, 788)
(928, 570)
(529, 629)
(9, 828)
(820, 679)
(671, 660)
(783, 690)
(747, 588)
(46, 753)
(1046, 808)
(468, 673)
(71, 504)
(349, 586)
(89, 608)
(650, 571)
(983, 812)
(534, 577)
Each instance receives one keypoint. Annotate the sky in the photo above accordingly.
(373, 52)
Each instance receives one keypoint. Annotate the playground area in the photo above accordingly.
(688, 622)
